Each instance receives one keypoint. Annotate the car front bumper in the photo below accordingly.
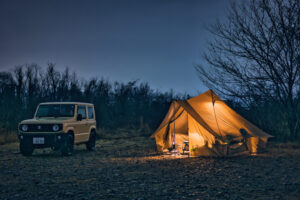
(49, 139)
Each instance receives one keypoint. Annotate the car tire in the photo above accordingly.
(67, 145)
(26, 149)
(91, 144)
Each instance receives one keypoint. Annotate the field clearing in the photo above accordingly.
(124, 167)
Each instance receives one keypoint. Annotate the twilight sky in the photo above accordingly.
(156, 41)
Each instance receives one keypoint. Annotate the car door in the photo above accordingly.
(82, 128)
(91, 117)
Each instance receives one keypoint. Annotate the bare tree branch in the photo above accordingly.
(256, 55)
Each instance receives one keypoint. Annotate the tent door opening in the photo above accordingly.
(178, 131)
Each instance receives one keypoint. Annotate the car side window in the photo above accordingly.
(81, 110)
(90, 113)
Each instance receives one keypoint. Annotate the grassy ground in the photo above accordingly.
(8, 137)
(124, 167)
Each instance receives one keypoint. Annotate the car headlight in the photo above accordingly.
(24, 127)
(55, 127)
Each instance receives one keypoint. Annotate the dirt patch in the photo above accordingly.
(128, 168)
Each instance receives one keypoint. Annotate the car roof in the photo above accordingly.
(77, 103)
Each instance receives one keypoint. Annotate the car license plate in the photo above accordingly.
(38, 140)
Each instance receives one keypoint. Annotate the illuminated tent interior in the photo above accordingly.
(206, 126)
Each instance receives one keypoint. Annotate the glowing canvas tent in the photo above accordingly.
(210, 126)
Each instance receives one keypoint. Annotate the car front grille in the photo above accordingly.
(41, 127)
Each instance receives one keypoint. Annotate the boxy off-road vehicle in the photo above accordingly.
(59, 125)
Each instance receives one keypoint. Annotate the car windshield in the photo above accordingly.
(56, 110)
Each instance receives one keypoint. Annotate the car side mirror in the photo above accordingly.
(79, 117)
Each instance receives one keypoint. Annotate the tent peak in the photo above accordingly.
(209, 93)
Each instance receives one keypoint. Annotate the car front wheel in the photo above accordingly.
(67, 145)
(91, 144)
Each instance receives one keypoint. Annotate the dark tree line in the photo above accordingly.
(118, 105)
(255, 59)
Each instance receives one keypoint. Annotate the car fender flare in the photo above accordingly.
(92, 128)
(70, 129)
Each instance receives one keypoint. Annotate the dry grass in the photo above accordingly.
(8, 137)
(121, 133)
(276, 149)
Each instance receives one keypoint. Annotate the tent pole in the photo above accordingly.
(188, 132)
(174, 137)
